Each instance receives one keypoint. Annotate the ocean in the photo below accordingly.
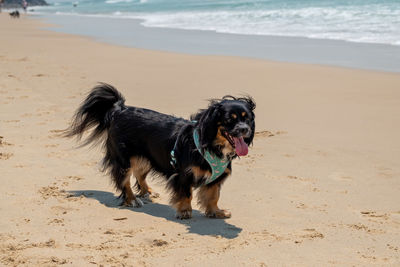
(362, 21)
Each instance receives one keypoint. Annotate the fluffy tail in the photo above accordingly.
(95, 112)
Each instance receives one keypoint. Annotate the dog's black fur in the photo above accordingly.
(14, 14)
(149, 136)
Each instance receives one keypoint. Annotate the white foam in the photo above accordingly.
(326, 23)
(117, 1)
(367, 23)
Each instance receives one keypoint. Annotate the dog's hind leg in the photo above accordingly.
(129, 198)
(140, 168)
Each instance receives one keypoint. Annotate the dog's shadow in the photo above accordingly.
(199, 224)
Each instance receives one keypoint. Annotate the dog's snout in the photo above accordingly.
(244, 130)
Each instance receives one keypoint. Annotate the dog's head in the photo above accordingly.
(227, 126)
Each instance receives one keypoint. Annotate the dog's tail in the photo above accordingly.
(95, 112)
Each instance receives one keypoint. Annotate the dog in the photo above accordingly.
(189, 154)
(14, 14)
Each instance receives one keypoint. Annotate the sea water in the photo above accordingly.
(364, 21)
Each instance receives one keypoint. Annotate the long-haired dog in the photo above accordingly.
(14, 14)
(190, 154)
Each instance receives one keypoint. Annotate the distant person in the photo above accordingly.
(1, 5)
(24, 5)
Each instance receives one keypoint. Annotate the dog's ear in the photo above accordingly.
(208, 124)
(251, 104)
(249, 140)
(248, 100)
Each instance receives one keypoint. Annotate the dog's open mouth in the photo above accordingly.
(237, 143)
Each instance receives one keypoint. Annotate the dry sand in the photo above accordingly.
(320, 186)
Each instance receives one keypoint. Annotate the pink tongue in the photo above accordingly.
(240, 146)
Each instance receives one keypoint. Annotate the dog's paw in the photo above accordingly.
(154, 195)
(148, 197)
(184, 214)
(218, 214)
(137, 203)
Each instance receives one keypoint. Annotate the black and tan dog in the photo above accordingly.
(190, 154)
(14, 14)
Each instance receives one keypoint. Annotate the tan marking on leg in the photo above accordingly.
(183, 207)
(208, 197)
(140, 168)
(130, 198)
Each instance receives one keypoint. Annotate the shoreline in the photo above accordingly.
(336, 53)
(320, 185)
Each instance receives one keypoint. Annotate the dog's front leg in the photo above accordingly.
(181, 201)
(208, 197)
(184, 208)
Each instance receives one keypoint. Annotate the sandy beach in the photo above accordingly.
(320, 186)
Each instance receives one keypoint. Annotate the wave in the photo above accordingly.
(372, 23)
(322, 23)
(117, 1)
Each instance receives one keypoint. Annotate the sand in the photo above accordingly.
(320, 185)
(380, 57)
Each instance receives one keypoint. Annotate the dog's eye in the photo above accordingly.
(234, 116)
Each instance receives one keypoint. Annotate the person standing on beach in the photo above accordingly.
(1, 5)
(24, 5)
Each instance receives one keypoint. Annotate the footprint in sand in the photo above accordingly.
(374, 215)
(75, 178)
(51, 191)
(56, 222)
(392, 247)
(60, 210)
(311, 233)
(263, 134)
(5, 156)
(3, 142)
(362, 227)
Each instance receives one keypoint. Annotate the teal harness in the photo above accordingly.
(218, 165)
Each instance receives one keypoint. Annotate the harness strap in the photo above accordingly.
(218, 165)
